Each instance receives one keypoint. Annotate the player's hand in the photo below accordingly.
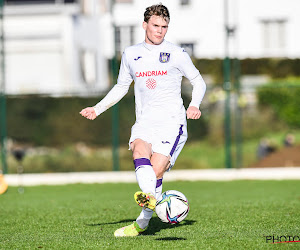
(89, 113)
(193, 113)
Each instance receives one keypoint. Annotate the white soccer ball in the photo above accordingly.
(172, 207)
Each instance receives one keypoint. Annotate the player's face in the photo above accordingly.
(155, 29)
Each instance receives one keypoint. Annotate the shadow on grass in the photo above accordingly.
(110, 223)
(170, 238)
(156, 225)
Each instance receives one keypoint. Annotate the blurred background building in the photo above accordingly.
(56, 47)
(71, 41)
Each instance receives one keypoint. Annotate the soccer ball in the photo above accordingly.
(172, 207)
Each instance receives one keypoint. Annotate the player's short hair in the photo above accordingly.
(157, 10)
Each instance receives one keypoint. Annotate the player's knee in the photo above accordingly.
(137, 154)
(140, 149)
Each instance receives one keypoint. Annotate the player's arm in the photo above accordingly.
(188, 69)
(114, 95)
(199, 88)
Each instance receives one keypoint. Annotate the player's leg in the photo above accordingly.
(166, 150)
(159, 163)
(158, 190)
(163, 157)
(166, 146)
(145, 175)
(146, 179)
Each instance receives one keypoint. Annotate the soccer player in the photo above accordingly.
(160, 131)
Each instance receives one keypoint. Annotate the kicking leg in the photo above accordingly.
(146, 179)
(145, 174)
(160, 164)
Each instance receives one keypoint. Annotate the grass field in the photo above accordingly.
(223, 215)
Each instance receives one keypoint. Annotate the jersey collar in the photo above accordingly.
(152, 46)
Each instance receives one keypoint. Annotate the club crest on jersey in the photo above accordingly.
(164, 57)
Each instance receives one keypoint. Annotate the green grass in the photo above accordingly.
(223, 215)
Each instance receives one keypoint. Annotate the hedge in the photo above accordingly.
(283, 97)
(273, 67)
(46, 121)
(56, 121)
